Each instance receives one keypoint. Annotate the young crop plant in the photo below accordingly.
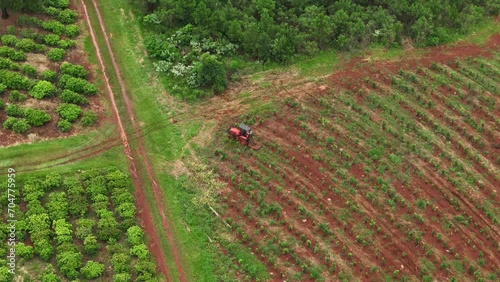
(8, 64)
(73, 70)
(56, 54)
(26, 45)
(49, 75)
(64, 125)
(69, 112)
(54, 26)
(43, 89)
(66, 44)
(51, 39)
(29, 70)
(18, 125)
(77, 85)
(14, 111)
(67, 16)
(14, 80)
(68, 96)
(72, 31)
(9, 40)
(89, 118)
(36, 117)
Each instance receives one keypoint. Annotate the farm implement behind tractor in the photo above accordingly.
(243, 133)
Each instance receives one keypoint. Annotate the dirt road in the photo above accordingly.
(154, 244)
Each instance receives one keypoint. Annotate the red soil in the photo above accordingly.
(144, 214)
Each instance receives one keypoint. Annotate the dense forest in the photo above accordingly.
(281, 30)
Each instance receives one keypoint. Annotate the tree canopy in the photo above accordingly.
(181, 32)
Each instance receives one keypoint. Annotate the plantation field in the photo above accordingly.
(383, 171)
(80, 226)
(45, 77)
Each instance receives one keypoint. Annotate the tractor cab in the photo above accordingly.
(245, 130)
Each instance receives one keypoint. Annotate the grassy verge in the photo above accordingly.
(191, 224)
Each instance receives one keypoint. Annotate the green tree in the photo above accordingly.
(32, 5)
(317, 25)
(209, 72)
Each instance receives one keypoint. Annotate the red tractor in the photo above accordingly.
(242, 133)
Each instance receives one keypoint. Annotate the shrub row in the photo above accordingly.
(73, 70)
(6, 63)
(77, 85)
(34, 117)
(42, 89)
(11, 53)
(14, 80)
(18, 125)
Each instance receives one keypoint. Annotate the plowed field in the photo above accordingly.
(386, 171)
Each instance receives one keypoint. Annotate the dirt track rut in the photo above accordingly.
(154, 243)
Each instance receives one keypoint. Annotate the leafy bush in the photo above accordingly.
(29, 21)
(9, 122)
(14, 80)
(2, 105)
(18, 125)
(69, 112)
(73, 70)
(36, 117)
(51, 11)
(11, 29)
(28, 33)
(68, 96)
(67, 16)
(92, 269)
(69, 262)
(9, 40)
(14, 111)
(51, 39)
(43, 88)
(89, 118)
(18, 56)
(6, 63)
(72, 30)
(77, 84)
(135, 235)
(16, 96)
(25, 251)
(56, 54)
(66, 44)
(49, 75)
(54, 26)
(62, 4)
(29, 70)
(11, 53)
(64, 125)
(21, 126)
(26, 45)
(3, 88)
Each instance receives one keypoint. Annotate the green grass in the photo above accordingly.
(319, 65)
(481, 33)
(60, 155)
(153, 107)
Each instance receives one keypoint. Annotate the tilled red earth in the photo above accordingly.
(382, 174)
